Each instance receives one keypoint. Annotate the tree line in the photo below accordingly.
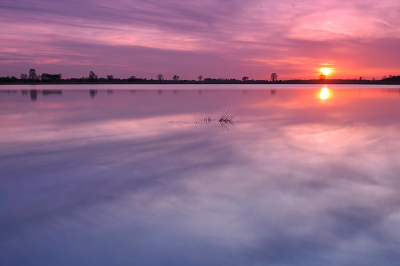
(32, 77)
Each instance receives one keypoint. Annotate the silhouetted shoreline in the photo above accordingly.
(46, 78)
(388, 81)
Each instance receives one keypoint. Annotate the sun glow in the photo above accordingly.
(324, 93)
(326, 71)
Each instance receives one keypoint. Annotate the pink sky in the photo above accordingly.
(213, 38)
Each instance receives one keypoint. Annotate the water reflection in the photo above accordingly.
(92, 93)
(33, 94)
(113, 181)
(324, 93)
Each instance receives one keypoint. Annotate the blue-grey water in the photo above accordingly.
(189, 175)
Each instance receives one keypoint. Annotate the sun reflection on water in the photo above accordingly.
(324, 93)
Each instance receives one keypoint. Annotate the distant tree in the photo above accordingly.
(274, 77)
(384, 77)
(92, 75)
(132, 78)
(361, 78)
(50, 77)
(45, 77)
(322, 76)
(373, 79)
(175, 78)
(160, 77)
(200, 78)
(245, 78)
(110, 77)
(24, 76)
(57, 76)
(32, 74)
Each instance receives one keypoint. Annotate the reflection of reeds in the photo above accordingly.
(226, 119)
(208, 119)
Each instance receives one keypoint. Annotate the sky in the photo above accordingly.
(212, 38)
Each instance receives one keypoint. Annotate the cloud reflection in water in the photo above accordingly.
(110, 180)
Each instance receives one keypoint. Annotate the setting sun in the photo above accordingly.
(326, 71)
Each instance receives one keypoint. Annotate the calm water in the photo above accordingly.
(190, 176)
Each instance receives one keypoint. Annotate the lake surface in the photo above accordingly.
(189, 175)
